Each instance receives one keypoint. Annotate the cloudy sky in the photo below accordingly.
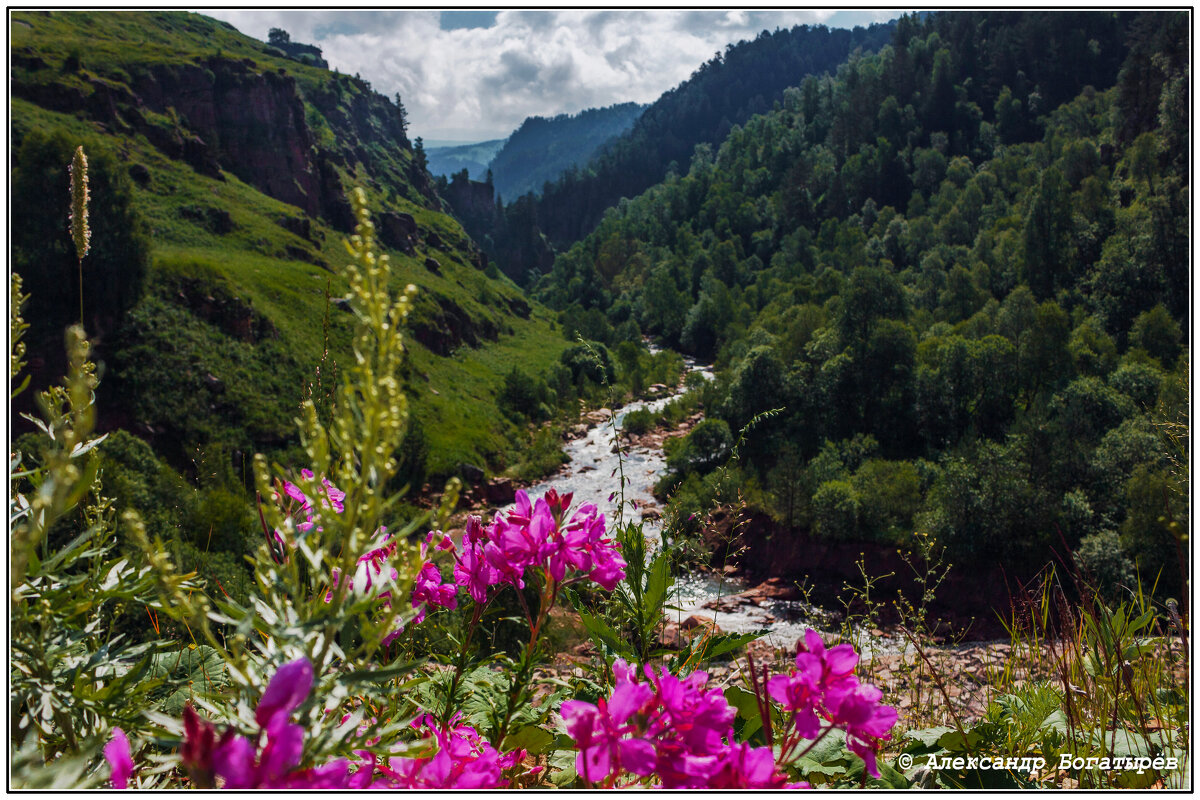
(475, 75)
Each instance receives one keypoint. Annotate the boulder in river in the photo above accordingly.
(500, 491)
(700, 621)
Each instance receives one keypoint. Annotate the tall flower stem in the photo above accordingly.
(517, 691)
(81, 234)
(461, 662)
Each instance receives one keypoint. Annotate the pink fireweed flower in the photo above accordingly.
(673, 728)
(287, 690)
(821, 678)
(518, 540)
(333, 499)
(698, 718)
(463, 760)
(865, 721)
(570, 546)
(746, 767)
(833, 668)
(798, 692)
(602, 731)
(823, 685)
(334, 495)
(471, 567)
(116, 753)
(430, 591)
(374, 571)
(238, 763)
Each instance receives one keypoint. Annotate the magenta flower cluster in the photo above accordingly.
(676, 729)
(464, 760)
(269, 760)
(373, 571)
(538, 535)
(670, 727)
(823, 687)
(302, 505)
(531, 535)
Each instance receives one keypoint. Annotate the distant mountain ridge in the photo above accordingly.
(544, 148)
(474, 157)
(748, 78)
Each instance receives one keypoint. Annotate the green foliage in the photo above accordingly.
(1103, 564)
(523, 396)
(72, 680)
(238, 275)
(589, 362)
(708, 445)
(541, 455)
(638, 421)
(926, 250)
(1158, 334)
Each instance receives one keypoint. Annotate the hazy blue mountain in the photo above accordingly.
(542, 149)
(472, 157)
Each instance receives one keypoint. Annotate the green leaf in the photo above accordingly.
(831, 749)
(657, 587)
(382, 675)
(532, 738)
(602, 632)
(723, 643)
(960, 741)
(190, 671)
(748, 715)
(889, 777)
(928, 736)
(562, 769)
(809, 768)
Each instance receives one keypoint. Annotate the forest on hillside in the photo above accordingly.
(960, 270)
(745, 79)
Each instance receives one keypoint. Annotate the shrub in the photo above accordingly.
(707, 446)
(836, 510)
(639, 421)
(1103, 564)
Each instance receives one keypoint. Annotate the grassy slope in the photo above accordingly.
(265, 381)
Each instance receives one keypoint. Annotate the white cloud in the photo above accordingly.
(480, 83)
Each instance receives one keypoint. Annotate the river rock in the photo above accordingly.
(726, 605)
(599, 415)
(700, 621)
(772, 589)
(671, 636)
(500, 491)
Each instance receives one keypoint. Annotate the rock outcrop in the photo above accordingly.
(233, 115)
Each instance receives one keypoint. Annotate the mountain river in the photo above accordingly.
(589, 474)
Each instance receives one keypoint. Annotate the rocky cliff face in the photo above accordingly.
(252, 124)
(233, 115)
